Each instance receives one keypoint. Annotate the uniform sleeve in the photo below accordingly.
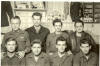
(44, 42)
(47, 63)
(22, 62)
(28, 45)
(47, 44)
(93, 43)
(69, 42)
(76, 61)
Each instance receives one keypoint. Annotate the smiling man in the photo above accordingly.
(61, 57)
(37, 57)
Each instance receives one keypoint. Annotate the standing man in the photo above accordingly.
(61, 57)
(10, 57)
(37, 31)
(20, 35)
(51, 39)
(78, 35)
(86, 57)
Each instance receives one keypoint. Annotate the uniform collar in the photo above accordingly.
(5, 55)
(81, 54)
(42, 55)
(41, 29)
(66, 54)
(17, 31)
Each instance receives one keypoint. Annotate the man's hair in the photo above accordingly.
(36, 41)
(85, 41)
(57, 21)
(79, 21)
(37, 14)
(10, 39)
(16, 17)
(61, 38)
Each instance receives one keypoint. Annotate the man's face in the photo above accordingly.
(11, 46)
(85, 48)
(61, 46)
(79, 27)
(36, 49)
(15, 24)
(58, 26)
(36, 21)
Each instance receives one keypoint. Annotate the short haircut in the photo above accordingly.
(85, 41)
(38, 41)
(10, 39)
(57, 21)
(61, 38)
(37, 14)
(16, 17)
(79, 21)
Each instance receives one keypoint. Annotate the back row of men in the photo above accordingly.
(36, 46)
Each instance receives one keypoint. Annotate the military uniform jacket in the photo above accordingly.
(21, 37)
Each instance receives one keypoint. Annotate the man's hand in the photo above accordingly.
(21, 54)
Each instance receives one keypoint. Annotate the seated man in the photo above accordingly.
(51, 39)
(10, 57)
(86, 57)
(37, 57)
(61, 58)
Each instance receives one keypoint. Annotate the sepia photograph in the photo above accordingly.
(50, 33)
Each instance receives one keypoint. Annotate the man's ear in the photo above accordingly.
(80, 47)
(90, 47)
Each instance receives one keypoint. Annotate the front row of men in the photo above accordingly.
(49, 43)
(60, 58)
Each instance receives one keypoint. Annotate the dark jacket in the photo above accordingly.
(42, 35)
(42, 61)
(22, 39)
(80, 59)
(75, 41)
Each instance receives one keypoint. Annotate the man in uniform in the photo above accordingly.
(37, 31)
(10, 57)
(37, 57)
(78, 35)
(20, 35)
(86, 57)
(51, 39)
(61, 57)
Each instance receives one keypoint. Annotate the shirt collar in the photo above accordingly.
(66, 54)
(5, 55)
(41, 29)
(81, 54)
(42, 55)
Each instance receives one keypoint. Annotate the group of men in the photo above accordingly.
(36, 46)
